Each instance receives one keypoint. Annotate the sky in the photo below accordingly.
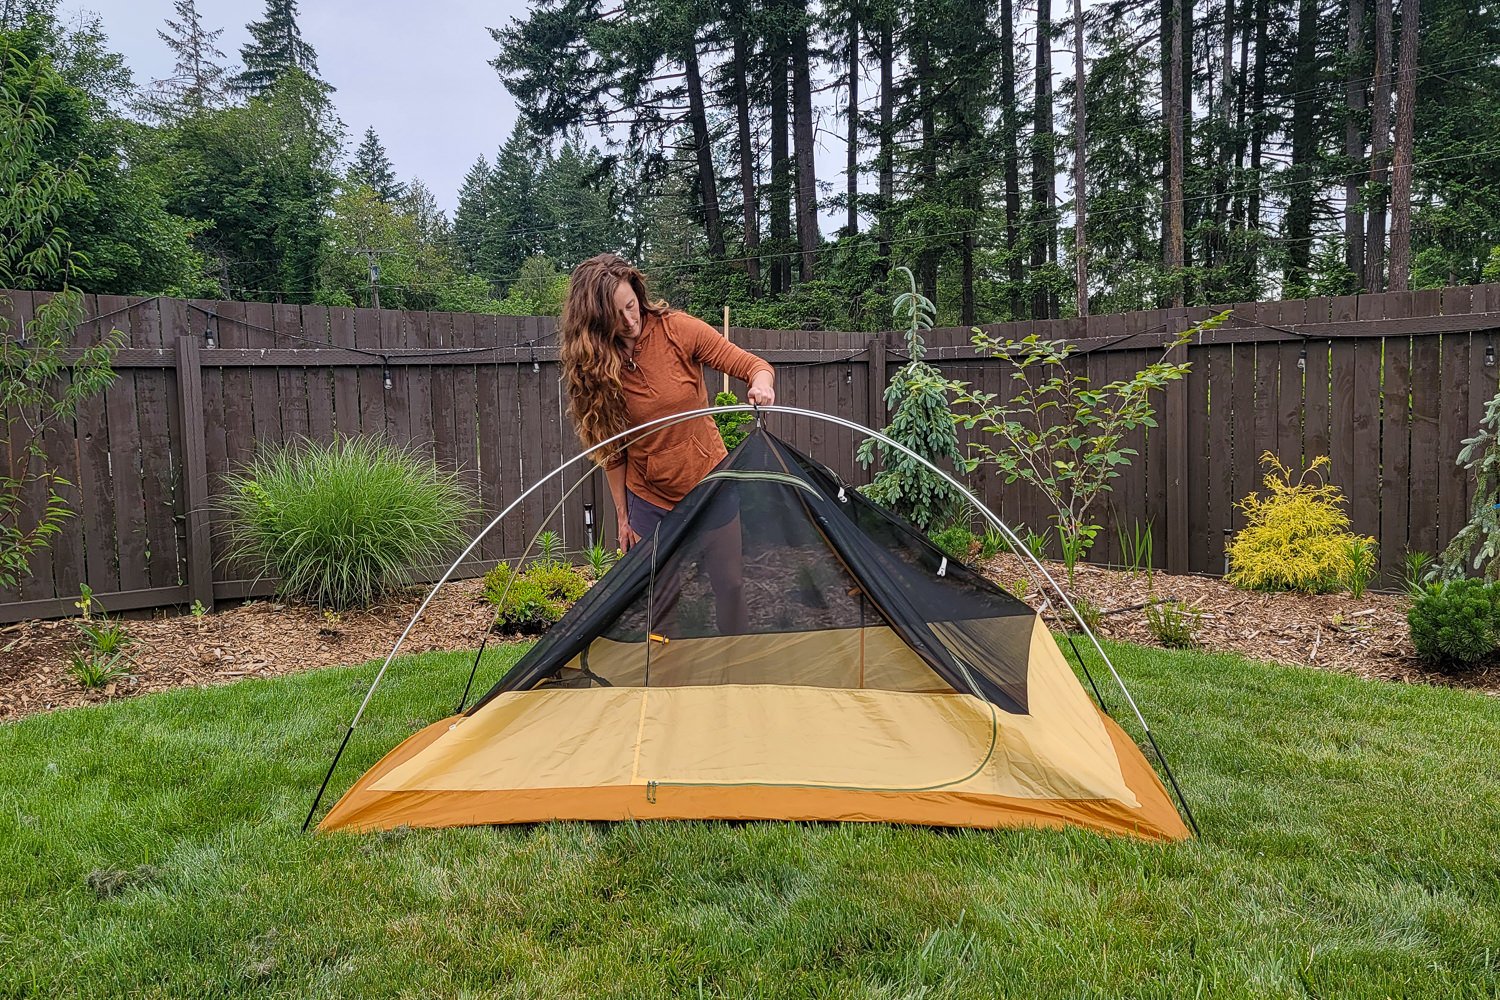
(418, 73)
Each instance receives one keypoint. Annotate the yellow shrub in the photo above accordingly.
(1296, 534)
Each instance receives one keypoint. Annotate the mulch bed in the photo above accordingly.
(1366, 636)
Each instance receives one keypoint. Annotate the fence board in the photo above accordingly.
(1363, 483)
(1453, 427)
(291, 382)
(320, 379)
(372, 390)
(1246, 458)
(1395, 458)
(125, 467)
(1219, 411)
(1426, 398)
(346, 384)
(161, 478)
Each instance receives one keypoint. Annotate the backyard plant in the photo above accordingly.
(338, 524)
(1137, 548)
(549, 545)
(1058, 431)
(922, 421)
(94, 669)
(599, 559)
(104, 655)
(731, 425)
(1296, 535)
(956, 540)
(1173, 624)
(1476, 547)
(1036, 542)
(993, 543)
(1456, 623)
(1419, 568)
(532, 601)
(1361, 554)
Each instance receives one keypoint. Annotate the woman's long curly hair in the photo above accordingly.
(591, 361)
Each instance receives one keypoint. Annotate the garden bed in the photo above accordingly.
(1365, 636)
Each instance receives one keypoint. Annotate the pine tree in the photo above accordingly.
(372, 167)
(201, 79)
(276, 46)
(472, 221)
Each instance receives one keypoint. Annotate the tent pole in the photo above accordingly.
(324, 787)
(1098, 697)
(477, 657)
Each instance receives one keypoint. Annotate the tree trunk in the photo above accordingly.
(1185, 105)
(802, 137)
(887, 140)
(781, 208)
(707, 183)
(1406, 113)
(1240, 132)
(1299, 210)
(1010, 143)
(1080, 160)
(1175, 258)
(1225, 121)
(851, 227)
(1380, 143)
(747, 161)
(1354, 143)
(1043, 167)
(1258, 108)
(927, 261)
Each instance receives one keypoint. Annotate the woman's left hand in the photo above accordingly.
(762, 391)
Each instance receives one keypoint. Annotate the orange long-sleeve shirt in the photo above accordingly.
(668, 378)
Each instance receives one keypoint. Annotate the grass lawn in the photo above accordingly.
(1351, 848)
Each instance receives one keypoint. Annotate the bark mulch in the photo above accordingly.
(1367, 636)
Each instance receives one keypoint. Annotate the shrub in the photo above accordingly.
(533, 601)
(1173, 624)
(731, 425)
(339, 524)
(992, 544)
(94, 669)
(956, 540)
(1296, 536)
(1476, 547)
(1456, 623)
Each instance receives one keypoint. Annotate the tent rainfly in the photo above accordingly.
(779, 648)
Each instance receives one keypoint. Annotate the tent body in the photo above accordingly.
(779, 648)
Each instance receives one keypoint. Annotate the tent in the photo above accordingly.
(779, 648)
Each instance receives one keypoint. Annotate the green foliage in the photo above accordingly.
(549, 545)
(1173, 624)
(1361, 558)
(341, 523)
(372, 168)
(94, 669)
(1456, 623)
(1296, 535)
(1138, 548)
(731, 425)
(1020, 588)
(922, 421)
(198, 610)
(105, 636)
(1419, 568)
(993, 543)
(534, 600)
(1476, 547)
(956, 540)
(1088, 612)
(276, 49)
(1037, 542)
(1058, 432)
(599, 559)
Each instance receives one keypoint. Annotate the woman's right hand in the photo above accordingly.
(628, 537)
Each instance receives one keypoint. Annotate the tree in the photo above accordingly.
(372, 168)
(276, 47)
(200, 78)
(1401, 167)
(1380, 141)
(1080, 160)
(1043, 170)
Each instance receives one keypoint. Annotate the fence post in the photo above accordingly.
(195, 470)
(1174, 429)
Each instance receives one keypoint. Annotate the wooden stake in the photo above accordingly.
(726, 337)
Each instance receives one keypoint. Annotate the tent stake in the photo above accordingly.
(477, 657)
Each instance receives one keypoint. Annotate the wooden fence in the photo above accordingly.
(1387, 385)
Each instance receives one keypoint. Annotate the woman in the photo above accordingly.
(627, 360)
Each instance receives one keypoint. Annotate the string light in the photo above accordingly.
(535, 366)
(1302, 360)
(1489, 355)
(385, 375)
(209, 340)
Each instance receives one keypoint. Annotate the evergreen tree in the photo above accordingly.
(276, 46)
(372, 167)
(474, 218)
(200, 78)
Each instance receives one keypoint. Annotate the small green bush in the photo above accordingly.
(1456, 623)
(533, 601)
(550, 545)
(956, 540)
(600, 560)
(731, 425)
(338, 524)
(1173, 624)
(94, 669)
(992, 544)
(105, 636)
(1296, 536)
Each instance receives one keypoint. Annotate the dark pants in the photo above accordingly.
(723, 559)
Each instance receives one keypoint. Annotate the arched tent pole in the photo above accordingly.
(662, 423)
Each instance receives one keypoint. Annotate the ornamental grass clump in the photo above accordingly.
(1296, 534)
(338, 524)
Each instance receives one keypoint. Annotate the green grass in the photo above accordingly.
(1351, 849)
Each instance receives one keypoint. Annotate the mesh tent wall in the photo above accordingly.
(779, 648)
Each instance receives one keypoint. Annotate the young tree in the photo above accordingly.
(276, 47)
(372, 167)
(200, 78)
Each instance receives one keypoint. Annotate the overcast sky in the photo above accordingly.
(417, 71)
